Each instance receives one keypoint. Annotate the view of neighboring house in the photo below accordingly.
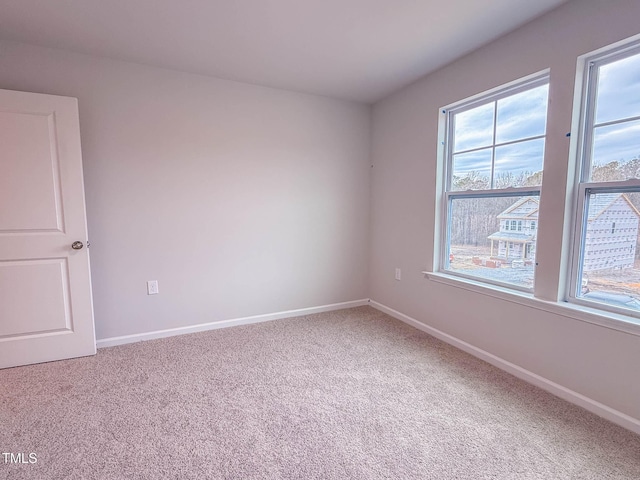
(610, 241)
(517, 236)
(612, 232)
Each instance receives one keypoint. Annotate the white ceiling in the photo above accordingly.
(352, 49)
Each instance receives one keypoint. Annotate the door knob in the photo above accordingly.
(77, 245)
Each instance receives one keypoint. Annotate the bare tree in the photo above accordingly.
(474, 219)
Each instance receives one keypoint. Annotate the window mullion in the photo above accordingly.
(497, 192)
(617, 122)
(579, 232)
(449, 150)
(502, 144)
(493, 144)
(587, 147)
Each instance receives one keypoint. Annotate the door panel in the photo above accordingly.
(29, 173)
(43, 286)
(46, 311)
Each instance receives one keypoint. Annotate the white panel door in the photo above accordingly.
(46, 311)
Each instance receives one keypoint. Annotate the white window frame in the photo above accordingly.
(584, 187)
(442, 259)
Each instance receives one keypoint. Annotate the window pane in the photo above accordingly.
(519, 164)
(523, 115)
(609, 260)
(618, 94)
(473, 128)
(615, 147)
(485, 242)
(472, 171)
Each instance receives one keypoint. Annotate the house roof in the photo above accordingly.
(530, 213)
(600, 202)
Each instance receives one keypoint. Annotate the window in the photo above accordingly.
(493, 151)
(605, 265)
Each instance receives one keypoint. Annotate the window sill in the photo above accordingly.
(614, 321)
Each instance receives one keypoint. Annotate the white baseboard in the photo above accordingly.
(576, 398)
(139, 337)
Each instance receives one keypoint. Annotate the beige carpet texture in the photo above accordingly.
(350, 394)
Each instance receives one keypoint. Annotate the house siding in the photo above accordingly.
(611, 238)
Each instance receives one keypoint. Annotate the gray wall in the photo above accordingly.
(592, 360)
(240, 200)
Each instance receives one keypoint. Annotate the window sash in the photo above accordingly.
(586, 189)
(589, 93)
(445, 246)
(534, 81)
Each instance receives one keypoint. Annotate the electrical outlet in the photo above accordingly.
(152, 287)
(398, 274)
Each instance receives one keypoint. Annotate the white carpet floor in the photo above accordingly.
(352, 394)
